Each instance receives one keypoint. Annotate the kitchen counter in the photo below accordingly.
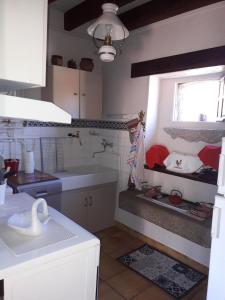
(11, 264)
(193, 230)
(22, 178)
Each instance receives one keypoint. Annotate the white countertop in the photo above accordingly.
(9, 262)
(86, 176)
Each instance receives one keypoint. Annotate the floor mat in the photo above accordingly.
(174, 277)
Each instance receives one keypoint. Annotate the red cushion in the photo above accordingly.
(156, 155)
(209, 155)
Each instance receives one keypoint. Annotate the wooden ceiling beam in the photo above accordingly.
(86, 11)
(157, 10)
(192, 60)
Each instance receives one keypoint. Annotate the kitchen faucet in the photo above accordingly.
(77, 135)
(105, 144)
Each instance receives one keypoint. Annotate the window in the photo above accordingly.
(197, 101)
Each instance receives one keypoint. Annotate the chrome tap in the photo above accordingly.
(77, 135)
(105, 144)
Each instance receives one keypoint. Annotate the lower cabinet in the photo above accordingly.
(92, 208)
(73, 277)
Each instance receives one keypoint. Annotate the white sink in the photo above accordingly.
(85, 176)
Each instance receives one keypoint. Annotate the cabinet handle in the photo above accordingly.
(215, 231)
(83, 94)
(221, 175)
(75, 94)
(90, 201)
(85, 202)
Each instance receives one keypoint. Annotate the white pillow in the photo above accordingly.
(182, 163)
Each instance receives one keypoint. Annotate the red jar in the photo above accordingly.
(13, 164)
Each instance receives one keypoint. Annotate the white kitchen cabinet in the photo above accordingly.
(90, 95)
(92, 208)
(77, 92)
(62, 88)
(73, 277)
(101, 208)
(64, 269)
(23, 38)
(74, 206)
(216, 288)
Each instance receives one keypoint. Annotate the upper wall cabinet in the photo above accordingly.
(23, 35)
(77, 92)
(63, 89)
(90, 95)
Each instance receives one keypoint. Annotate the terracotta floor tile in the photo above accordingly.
(107, 232)
(129, 239)
(199, 291)
(111, 244)
(112, 230)
(120, 282)
(201, 295)
(153, 293)
(100, 234)
(109, 267)
(128, 284)
(107, 293)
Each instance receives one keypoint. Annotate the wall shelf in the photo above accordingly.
(206, 178)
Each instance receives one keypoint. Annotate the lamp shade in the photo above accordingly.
(108, 21)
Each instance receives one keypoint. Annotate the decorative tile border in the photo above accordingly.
(81, 123)
(196, 135)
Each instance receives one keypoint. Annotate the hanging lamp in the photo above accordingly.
(108, 33)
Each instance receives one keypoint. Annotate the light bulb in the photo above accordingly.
(108, 28)
(107, 53)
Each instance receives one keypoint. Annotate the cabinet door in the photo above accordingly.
(221, 173)
(70, 278)
(221, 104)
(74, 206)
(216, 287)
(90, 95)
(23, 38)
(63, 89)
(101, 208)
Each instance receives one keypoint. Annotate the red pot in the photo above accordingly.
(175, 197)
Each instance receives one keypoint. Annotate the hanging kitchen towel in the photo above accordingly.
(136, 158)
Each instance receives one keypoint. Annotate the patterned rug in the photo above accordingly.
(174, 277)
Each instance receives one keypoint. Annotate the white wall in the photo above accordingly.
(65, 44)
(196, 30)
(61, 42)
(199, 29)
(167, 94)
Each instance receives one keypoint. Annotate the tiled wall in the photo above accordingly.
(70, 151)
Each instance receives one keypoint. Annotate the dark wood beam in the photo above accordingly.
(157, 10)
(86, 11)
(191, 60)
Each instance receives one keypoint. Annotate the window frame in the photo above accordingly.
(208, 77)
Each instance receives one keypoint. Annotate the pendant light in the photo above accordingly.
(108, 33)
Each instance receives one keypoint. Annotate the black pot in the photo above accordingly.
(86, 64)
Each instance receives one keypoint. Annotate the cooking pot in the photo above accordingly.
(175, 197)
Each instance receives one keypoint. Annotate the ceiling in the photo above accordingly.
(65, 5)
(133, 13)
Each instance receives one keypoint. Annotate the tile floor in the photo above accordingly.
(118, 282)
